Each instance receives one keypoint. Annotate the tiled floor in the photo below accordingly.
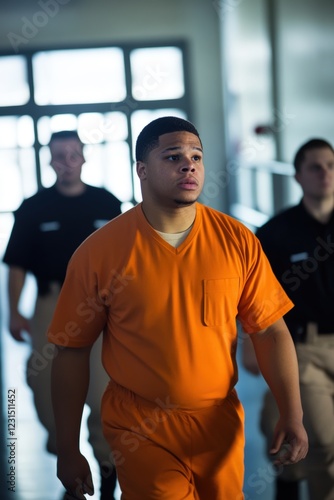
(35, 474)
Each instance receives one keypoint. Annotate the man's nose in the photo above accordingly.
(187, 165)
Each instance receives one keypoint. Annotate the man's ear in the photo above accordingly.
(141, 170)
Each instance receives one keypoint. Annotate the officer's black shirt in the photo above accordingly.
(301, 252)
(49, 227)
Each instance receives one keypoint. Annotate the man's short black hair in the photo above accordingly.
(307, 146)
(148, 138)
(65, 134)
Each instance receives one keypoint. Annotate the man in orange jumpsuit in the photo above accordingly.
(165, 282)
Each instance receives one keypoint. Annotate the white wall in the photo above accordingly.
(306, 70)
(59, 22)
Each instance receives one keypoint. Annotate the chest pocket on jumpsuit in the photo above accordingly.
(220, 301)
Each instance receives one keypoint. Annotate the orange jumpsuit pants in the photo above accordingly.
(165, 453)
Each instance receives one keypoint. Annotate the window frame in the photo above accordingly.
(128, 106)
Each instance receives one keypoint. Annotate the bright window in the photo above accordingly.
(17, 161)
(79, 76)
(14, 88)
(157, 73)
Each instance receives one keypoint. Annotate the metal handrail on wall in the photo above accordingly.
(280, 171)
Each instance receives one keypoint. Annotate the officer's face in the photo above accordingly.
(316, 174)
(67, 159)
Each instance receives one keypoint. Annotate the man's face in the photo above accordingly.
(173, 173)
(316, 174)
(67, 160)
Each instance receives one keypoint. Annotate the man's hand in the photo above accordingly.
(74, 472)
(18, 324)
(290, 443)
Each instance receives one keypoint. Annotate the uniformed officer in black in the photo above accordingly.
(299, 243)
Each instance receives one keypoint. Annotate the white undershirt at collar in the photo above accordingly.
(175, 239)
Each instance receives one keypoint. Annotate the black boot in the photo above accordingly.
(287, 490)
(108, 482)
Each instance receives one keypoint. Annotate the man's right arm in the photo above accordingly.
(69, 386)
(17, 323)
(277, 361)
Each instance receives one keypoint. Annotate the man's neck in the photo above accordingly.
(320, 209)
(70, 189)
(173, 220)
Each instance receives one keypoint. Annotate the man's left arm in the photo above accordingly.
(276, 356)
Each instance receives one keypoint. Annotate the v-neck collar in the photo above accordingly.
(152, 233)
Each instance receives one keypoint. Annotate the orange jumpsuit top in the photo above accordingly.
(168, 314)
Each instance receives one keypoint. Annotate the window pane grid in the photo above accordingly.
(128, 87)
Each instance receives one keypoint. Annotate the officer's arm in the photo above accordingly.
(17, 323)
